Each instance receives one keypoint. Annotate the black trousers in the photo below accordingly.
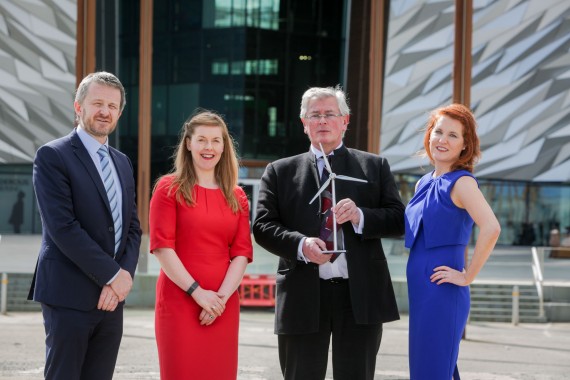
(81, 345)
(354, 347)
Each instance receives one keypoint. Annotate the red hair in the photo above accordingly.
(468, 157)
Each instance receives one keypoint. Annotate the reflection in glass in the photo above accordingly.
(262, 14)
(528, 212)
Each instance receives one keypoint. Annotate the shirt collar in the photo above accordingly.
(89, 141)
(319, 154)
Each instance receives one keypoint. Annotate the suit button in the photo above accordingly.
(110, 229)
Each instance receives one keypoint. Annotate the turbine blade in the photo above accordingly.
(327, 164)
(347, 178)
(320, 190)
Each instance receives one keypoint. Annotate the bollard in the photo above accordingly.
(516, 295)
(4, 293)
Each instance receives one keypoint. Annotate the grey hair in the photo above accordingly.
(103, 78)
(322, 93)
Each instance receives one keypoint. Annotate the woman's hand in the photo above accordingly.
(206, 319)
(444, 274)
(213, 304)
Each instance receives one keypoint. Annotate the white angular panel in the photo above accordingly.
(519, 94)
(35, 75)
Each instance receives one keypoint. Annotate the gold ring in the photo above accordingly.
(211, 317)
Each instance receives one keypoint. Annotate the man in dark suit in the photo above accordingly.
(350, 297)
(91, 236)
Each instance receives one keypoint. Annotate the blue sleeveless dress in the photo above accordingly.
(437, 233)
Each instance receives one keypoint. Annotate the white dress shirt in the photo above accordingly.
(92, 147)
(338, 268)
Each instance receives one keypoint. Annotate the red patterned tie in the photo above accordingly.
(326, 233)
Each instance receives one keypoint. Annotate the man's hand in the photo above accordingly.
(312, 248)
(346, 210)
(122, 284)
(108, 300)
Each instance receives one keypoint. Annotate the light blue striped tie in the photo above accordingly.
(109, 183)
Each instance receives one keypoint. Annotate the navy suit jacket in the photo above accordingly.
(76, 255)
(284, 217)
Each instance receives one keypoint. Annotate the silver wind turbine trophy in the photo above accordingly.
(332, 178)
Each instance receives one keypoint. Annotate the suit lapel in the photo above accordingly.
(346, 164)
(311, 163)
(85, 158)
(339, 167)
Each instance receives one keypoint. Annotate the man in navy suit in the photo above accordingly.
(91, 236)
(319, 294)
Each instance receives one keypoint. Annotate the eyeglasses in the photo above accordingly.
(317, 118)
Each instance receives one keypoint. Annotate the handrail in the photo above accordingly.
(515, 311)
(4, 294)
(3, 291)
(537, 270)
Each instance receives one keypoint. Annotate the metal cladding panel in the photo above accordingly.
(520, 90)
(37, 75)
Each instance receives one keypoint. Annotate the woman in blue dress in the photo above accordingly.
(439, 220)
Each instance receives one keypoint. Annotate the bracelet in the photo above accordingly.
(193, 287)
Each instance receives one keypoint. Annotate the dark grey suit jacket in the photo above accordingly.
(76, 253)
(284, 217)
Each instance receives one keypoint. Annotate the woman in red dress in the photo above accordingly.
(200, 234)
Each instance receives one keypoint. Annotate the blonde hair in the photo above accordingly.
(226, 171)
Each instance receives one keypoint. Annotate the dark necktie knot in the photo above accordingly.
(325, 173)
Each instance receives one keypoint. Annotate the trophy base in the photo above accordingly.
(334, 251)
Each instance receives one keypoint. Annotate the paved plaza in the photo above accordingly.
(491, 351)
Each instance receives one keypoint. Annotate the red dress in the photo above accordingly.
(205, 237)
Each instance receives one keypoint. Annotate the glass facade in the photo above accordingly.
(18, 206)
(527, 212)
(250, 60)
